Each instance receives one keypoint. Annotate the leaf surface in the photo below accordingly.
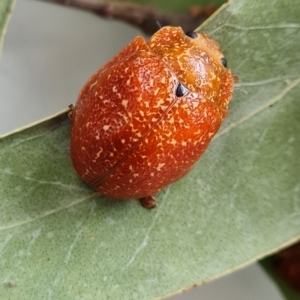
(5, 12)
(60, 240)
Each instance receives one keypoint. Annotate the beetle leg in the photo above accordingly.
(71, 106)
(148, 202)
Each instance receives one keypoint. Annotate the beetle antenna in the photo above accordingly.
(158, 24)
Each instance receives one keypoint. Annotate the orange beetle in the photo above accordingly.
(143, 120)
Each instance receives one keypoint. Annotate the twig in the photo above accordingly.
(143, 16)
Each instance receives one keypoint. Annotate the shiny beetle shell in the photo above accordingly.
(144, 119)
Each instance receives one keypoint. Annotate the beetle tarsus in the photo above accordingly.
(148, 202)
(70, 113)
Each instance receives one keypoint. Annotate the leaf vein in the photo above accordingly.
(266, 81)
(144, 242)
(250, 28)
(47, 213)
(69, 186)
(260, 109)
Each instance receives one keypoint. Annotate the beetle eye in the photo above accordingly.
(191, 34)
(224, 62)
(181, 90)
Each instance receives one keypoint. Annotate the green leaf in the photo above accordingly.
(5, 12)
(60, 240)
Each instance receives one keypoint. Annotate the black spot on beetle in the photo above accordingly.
(191, 34)
(224, 62)
(181, 90)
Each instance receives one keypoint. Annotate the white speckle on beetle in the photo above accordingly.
(160, 166)
(124, 103)
(106, 127)
(163, 80)
(156, 92)
(93, 84)
(195, 104)
(98, 153)
(173, 142)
